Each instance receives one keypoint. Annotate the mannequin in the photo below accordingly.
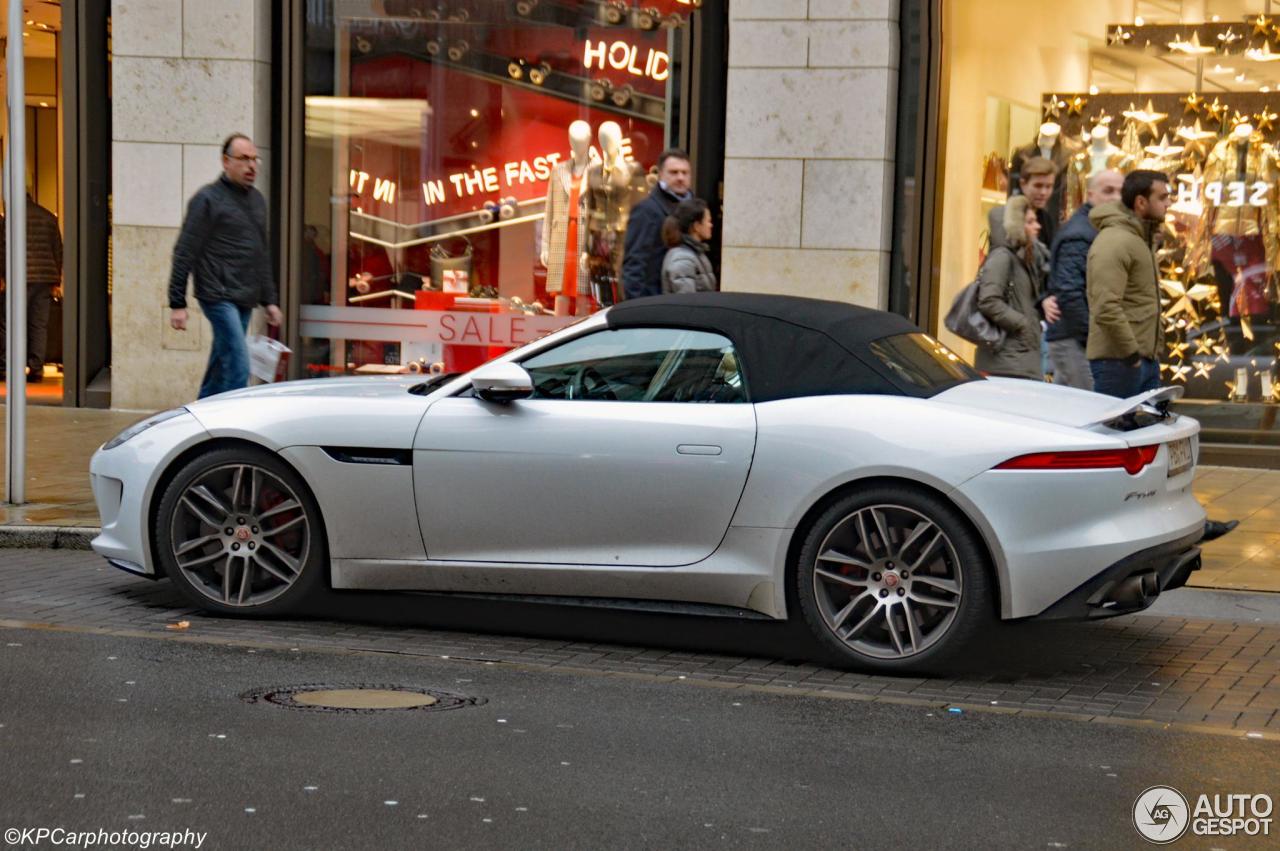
(1050, 145)
(609, 185)
(1047, 139)
(564, 226)
(1243, 228)
(1099, 155)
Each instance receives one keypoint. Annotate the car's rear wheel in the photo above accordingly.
(893, 579)
(239, 533)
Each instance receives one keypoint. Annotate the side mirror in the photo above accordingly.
(502, 382)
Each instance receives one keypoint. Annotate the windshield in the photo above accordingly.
(923, 362)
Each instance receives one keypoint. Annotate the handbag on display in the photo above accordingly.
(995, 173)
(451, 265)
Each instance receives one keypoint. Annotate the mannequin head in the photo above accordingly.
(1241, 132)
(580, 140)
(1100, 134)
(611, 139)
(1049, 132)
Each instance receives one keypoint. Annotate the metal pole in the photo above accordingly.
(15, 184)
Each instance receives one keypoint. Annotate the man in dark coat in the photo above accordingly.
(44, 278)
(1067, 281)
(644, 248)
(224, 243)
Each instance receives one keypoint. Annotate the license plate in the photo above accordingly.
(1180, 457)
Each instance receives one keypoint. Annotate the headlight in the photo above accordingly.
(138, 428)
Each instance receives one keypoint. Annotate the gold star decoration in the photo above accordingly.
(1185, 299)
(1179, 371)
(1146, 117)
(1246, 323)
(1196, 137)
(1192, 103)
(1177, 351)
(1204, 346)
(1203, 368)
(1118, 36)
(1052, 106)
(1231, 389)
(1262, 26)
(1163, 149)
(1191, 47)
(1216, 111)
(1237, 119)
(1264, 121)
(1076, 105)
(1229, 37)
(1103, 118)
(1221, 351)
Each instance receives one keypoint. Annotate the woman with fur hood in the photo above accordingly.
(1009, 289)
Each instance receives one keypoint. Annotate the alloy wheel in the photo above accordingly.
(240, 535)
(888, 582)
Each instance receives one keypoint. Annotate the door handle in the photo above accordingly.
(698, 449)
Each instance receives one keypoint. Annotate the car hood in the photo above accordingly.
(361, 386)
(1050, 403)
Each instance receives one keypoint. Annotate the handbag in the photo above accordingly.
(967, 322)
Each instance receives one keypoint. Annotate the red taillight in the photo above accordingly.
(1132, 460)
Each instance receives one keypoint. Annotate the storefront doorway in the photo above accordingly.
(1185, 87)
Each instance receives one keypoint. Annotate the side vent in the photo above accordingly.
(361, 455)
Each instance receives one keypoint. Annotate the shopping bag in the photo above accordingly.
(268, 358)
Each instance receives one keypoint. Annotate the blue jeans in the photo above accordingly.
(229, 355)
(1117, 378)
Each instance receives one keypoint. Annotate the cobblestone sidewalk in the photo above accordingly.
(1215, 676)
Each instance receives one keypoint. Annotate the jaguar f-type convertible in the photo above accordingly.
(752, 455)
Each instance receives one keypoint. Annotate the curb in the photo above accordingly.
(47, 537)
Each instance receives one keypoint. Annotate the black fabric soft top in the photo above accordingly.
(789, 346)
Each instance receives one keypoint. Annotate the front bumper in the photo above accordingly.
(1166, 566)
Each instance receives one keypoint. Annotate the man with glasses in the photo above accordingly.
(224, 244)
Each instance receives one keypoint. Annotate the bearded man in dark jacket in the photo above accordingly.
(644, 246)
(44, 282)
(224, 243)
(1068, 336)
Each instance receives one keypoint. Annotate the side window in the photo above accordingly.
(640, 365)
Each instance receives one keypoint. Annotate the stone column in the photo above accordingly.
(809, 148)
(184, 75)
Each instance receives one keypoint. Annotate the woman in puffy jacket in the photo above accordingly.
(1009, 294)
(686, 268)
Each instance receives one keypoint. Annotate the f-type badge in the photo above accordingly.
(1137, 495)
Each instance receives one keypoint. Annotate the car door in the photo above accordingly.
(633, 450)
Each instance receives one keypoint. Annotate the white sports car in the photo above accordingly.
(735, 454)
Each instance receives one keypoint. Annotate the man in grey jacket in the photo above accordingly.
(224, 244)
(44, 283)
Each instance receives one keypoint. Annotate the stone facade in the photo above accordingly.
(809, 148)
(184, 74)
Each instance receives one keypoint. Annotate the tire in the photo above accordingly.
(264, 558)
(913, 606)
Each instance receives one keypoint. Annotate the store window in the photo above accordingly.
(1187, 88)
(470, 168)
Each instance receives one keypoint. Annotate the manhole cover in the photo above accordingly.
(328, 697)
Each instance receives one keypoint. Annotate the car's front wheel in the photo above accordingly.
(893, 579)
(239, 533)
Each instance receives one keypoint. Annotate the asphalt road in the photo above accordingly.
(152, 734)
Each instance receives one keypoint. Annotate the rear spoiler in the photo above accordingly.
(1158, 400)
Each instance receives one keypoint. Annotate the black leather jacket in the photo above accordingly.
(224, 243)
